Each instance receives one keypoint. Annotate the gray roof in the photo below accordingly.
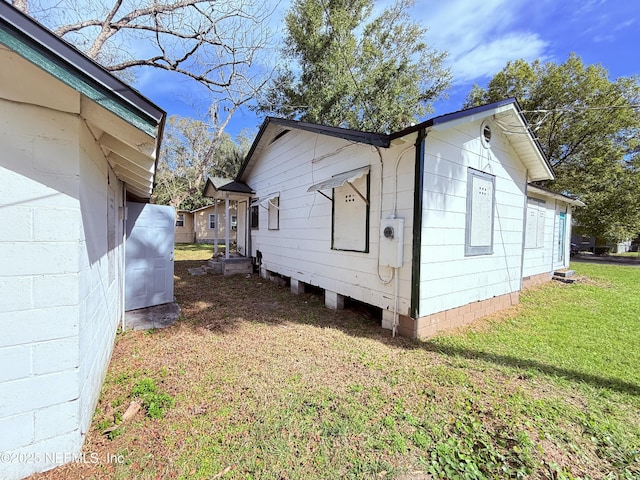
(274, 128)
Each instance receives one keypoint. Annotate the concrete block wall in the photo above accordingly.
(100, 298)
(60, 283)
(430, 325)
(39, 286)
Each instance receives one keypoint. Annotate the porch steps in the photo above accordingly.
(231, 266)
(564, 276)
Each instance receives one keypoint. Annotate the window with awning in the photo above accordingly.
(350, 212)
(340, 180)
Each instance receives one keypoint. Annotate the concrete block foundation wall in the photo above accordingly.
(429, 325)
(535, 280)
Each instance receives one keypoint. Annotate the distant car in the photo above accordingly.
(574, 250)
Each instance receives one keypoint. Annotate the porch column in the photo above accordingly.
(215, 230)
(227, 224)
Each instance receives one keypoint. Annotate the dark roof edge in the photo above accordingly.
(235, 186)
(447, 117)
(369, 138)
(474, 111)
(60, 48)
(383, 140)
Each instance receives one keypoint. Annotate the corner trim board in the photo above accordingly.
(418, 199)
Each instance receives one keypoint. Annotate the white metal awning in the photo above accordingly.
(340, 179)
(266, 202)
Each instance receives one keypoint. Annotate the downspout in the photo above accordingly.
(418, 200)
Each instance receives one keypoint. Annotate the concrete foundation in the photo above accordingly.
(333, 300)
(297, 287)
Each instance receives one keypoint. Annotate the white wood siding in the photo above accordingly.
(301, 247)
(545, 259)
(448, 278)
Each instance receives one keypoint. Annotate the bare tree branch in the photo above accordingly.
(208, 42)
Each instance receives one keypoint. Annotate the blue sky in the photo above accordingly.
(481, 36)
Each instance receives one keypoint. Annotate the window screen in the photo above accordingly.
(480, 207)
(350, 228)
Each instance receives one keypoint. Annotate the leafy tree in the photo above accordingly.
(589, 128)
(184, 161)
(350, 69)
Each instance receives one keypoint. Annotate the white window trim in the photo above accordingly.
(539, 207)
(273, 208)
(474, 250)
(215, 221)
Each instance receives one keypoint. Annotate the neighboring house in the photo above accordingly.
(430, 223)
(184, 231)
(205, 224)
(210, 223)
(77, 146)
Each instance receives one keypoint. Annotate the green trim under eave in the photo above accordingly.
(60, 70)
(418, 197)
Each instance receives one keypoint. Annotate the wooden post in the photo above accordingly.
(215, 230)
(226, 225)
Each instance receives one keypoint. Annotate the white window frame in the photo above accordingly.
(212, 216)
(353, 192)
(481, 205)
(254, 214)
(180, 220)
(234, 222)
(536, 215)
(273, 209)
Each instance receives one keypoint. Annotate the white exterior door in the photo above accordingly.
(241, 234)
(149, 255)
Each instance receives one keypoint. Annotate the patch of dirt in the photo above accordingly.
(246, 349)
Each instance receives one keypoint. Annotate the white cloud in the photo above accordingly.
(481, 37)
(491, 56)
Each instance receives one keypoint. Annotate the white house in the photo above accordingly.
(547, 234)
(430, 223)
(78, 150)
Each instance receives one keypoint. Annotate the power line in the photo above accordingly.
(570, 109)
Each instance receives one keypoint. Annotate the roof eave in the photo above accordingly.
(555, 195)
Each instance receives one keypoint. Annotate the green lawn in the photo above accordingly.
(195, 251)
(255, 383)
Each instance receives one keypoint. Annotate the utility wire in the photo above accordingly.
(570, 109)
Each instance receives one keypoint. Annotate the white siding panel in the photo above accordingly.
(448, 278)
(301, 248)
